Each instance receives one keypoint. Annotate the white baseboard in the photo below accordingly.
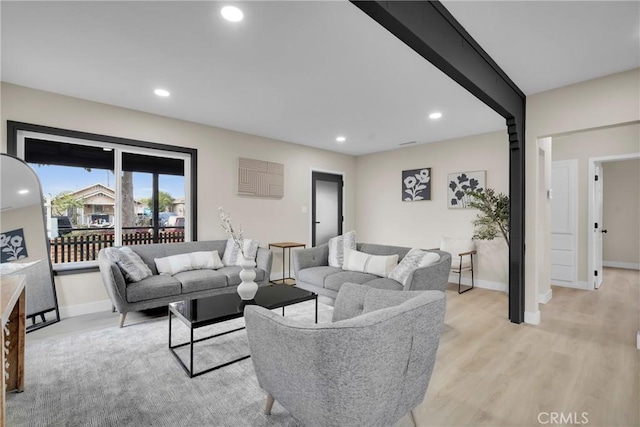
(484, 284)
(574, 285)
(546, 297)
(87, 308)
(638, 341)
(532, 318)
(627, 265)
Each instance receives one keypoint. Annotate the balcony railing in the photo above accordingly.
(85, 247)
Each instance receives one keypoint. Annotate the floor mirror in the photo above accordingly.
(24, 246)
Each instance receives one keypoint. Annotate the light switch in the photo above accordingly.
(303, 210)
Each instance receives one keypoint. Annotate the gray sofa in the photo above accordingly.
(314, 274)
(159, 290)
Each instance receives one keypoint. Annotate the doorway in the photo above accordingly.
(596, 216)
(326, 207)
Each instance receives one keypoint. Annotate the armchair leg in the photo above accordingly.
(122, 317)
(269, 405)
(412, 417)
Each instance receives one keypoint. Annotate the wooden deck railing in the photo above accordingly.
(86, 247)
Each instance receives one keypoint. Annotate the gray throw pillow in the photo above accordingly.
(132, 266)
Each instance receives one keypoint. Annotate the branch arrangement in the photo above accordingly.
(236, 235)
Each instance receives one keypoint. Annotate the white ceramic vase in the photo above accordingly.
(248, 288)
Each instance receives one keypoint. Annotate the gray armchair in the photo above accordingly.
(370, 367)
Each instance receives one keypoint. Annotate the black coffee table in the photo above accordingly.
(220, 308)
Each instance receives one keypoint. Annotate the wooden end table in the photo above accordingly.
(284, 246)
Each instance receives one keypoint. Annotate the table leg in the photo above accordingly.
(316, 308)
(289, 263)
(16, 337)
(283, 281)
(169, 328)
(191, 354)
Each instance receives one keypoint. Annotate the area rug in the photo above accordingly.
(128, 377)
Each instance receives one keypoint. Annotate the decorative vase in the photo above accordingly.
(248, 288)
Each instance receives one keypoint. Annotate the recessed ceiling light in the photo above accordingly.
(162, 92)
(232, 13)
(23, 191)
(435, 115)
(341, 139)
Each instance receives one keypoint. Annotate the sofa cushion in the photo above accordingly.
(132, 266)
(153, 287)
(373, 249)
(316, 275)
(201, 280)
(382, 283)
(380, 265)
(337, 246)
(150, 252)
(415, 259)
(233, 275)
(334, 281)
(190, 261)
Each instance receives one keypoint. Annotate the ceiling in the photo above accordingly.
(13, 196)
(303, 72)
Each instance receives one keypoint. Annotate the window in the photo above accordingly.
(113, 192)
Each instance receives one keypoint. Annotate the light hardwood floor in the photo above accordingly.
(582, 357)
(490, 372)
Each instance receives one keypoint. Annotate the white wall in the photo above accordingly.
(382, 216)
(267, 220)
(607, 101)
(623, 139)
(621, 193)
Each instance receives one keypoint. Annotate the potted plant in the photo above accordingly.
(493, 219)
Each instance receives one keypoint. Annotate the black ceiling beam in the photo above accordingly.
(429, 29)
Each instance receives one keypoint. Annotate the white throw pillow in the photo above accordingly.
(173, 264)
(380, 265)
(190, 261)
(413, 260)
(456, 247)
(337, 246)
(206, 260)
(232, 255)
(132, 266)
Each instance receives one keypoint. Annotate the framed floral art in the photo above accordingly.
(459, 183)
(416, 184)
(12, 246)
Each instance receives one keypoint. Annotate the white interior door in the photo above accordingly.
(597, 226)
(564, 257)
